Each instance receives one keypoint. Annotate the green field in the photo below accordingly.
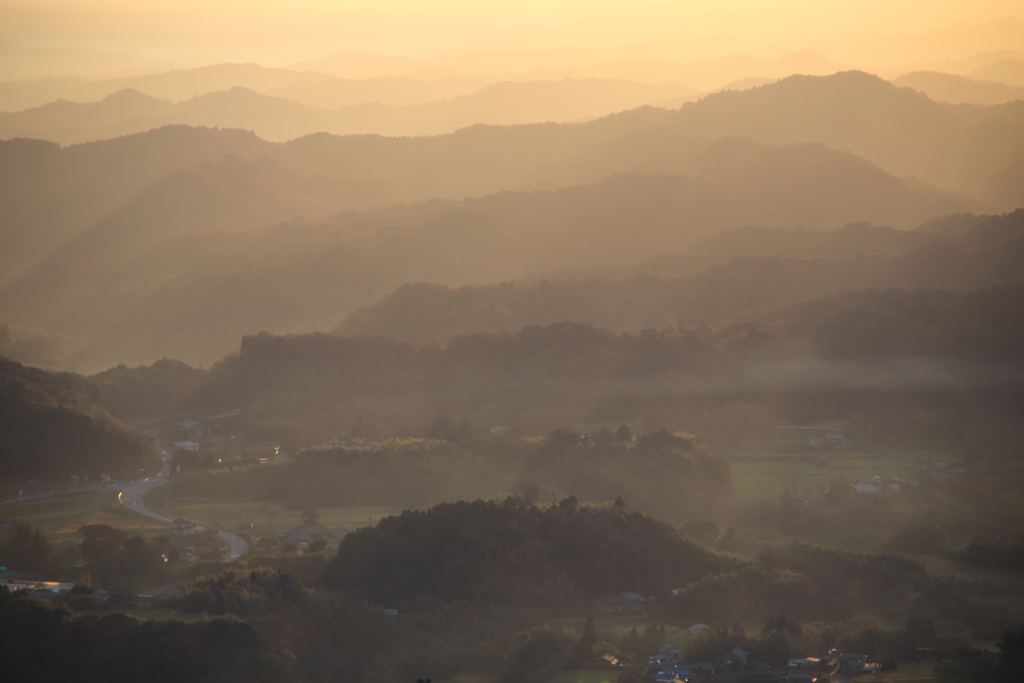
(60, 517)
(758, 475)
(759, 470)
(265, 517)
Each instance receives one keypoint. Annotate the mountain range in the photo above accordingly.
(177, 241)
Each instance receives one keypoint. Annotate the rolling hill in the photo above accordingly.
(185, 268)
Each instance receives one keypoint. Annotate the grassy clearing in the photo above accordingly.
(265, 517)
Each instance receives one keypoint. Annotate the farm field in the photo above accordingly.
(265, 517)
(61, 517)
(761, 470)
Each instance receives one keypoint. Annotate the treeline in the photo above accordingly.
(417, 473)
(513, 553)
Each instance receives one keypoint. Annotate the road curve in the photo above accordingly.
(131, 496)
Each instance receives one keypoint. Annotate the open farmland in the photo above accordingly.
(60, 517)
(265, 517)
(764, 470)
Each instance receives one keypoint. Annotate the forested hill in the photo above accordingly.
(55, 425)
(751, 271)
(852, 354)
(189, 265)
(510, 552)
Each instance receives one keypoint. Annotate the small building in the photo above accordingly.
(737, 655)
(181, 524)
(697, 628)
(607, 660)
(186, 446)
(867, 490)
(802, 676)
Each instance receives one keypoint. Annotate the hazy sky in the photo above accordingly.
(279, 33)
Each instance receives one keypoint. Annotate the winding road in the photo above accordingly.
(132, 493)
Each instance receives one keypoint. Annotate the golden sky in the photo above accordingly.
(278, 33)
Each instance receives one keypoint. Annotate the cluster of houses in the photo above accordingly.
(59, 591)
(876, 486)
(669, 666)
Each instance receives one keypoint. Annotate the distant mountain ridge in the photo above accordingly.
(481, 205)
(278, 119)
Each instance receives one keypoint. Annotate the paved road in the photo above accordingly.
(131, 495)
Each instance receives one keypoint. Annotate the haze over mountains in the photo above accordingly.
(715, 310)
(278, 119)
(191, 206)
(178, 241)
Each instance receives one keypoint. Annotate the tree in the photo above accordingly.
(632, 641)
(310, 518)
(100, 543)
(589, 637)
(623, 433)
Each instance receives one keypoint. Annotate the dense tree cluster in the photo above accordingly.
(114, 559)
(27, 551)
(511, 552)
(39, 643)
